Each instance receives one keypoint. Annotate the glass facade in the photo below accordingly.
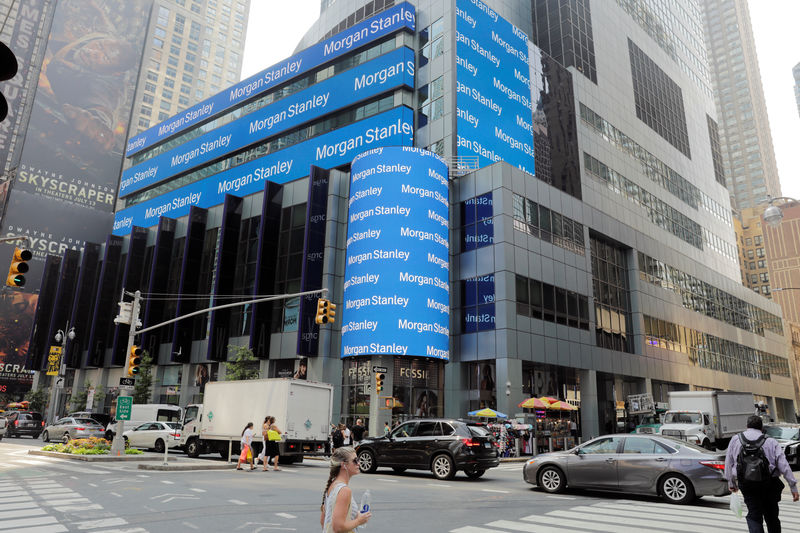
(547, 225)
(563, 30)
(551, 304)
(611, 296)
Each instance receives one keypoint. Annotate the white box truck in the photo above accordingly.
(302, 410)
(707, 418)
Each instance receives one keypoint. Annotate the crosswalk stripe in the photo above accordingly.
(21, 505)
(81, 507)
(23, 522)
(651, 514)
(54, 528)
(69, 501)
(14, 499)
(591, 525)
(6, 490)
(127, 530)
(593, 516)
(519, 526)
(103, 522)
(474, 529)
(20, 513)
(59, 491)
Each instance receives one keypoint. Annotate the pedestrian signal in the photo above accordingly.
(19, 266)
(323, 308)
(134, 361)
(379, 377)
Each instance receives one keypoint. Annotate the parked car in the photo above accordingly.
(676, 470)
(3, 426)
(144, 412)
(21, 423)
(788, 436)
(443, 446)
(154, 435)
(102, 418)
(68, 428)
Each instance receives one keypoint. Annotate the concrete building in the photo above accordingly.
(745, 139)
(588, 250)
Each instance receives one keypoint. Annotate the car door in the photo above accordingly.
(641, 462)
(60, 426)
(138, 436)
(594, 465)
(420, 447)
(394, 450)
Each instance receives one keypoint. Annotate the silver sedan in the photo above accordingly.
(637, 464)
(68, 428)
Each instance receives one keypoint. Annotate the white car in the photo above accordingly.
(3, 426)
(154, 435)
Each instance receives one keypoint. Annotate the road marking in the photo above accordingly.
(117, 494)
(92, 484)
(170, 497)
(387, 480)
(80, 507)
(60, 491)
(285, 515)
(190, 525)
(24, 522)
(439, 485)
(168, 482)
(499, 491)
(68, 501)
(55, 528)
(554, 497)
(103, 522)
(126, 530)
(15, 499)
(20, 513)
(12, 506)
(237, 502)
(473, 529)
(142, 475)
(198, 490)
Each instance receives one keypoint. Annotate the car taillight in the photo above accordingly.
(42, 423)
(176, 435)
(16, 423)
(470, 443)
(80, 428)
(716, 465)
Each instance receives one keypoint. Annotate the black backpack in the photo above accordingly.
(338, 439)
(752, 465)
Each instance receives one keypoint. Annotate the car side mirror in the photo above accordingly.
(577, 451)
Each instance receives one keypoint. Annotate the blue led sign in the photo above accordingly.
(393, 19)
(393, 127)
(365, 81)
(493, 103)
(397, 288)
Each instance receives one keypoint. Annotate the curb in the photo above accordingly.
(186, 468)
(97, 458)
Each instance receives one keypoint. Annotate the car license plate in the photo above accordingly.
(487, 444)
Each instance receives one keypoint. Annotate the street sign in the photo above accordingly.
(127, 382)
(124, 405)
(54, 361)
(377, 369)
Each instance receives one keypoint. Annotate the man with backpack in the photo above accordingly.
(754, 464)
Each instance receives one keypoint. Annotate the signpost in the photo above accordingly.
(127, 383)
(379, 369)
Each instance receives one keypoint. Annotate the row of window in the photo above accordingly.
(702, 297)
(547, 302)
(541, 222)
(655, 169)
(296, 85)
(714, 353)
(611, 295)
(286, 139)
(477, 223)
(477, 304)
(659, 212)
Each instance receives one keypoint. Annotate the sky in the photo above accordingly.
(276, 26)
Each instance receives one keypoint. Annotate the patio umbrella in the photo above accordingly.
(563, 406)
(488, 413)
(548, 399)
(534, 403)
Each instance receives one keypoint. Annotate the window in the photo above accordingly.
(477, 304)
(477, 219)
(604, 445)
(643, 445)
(405, 430)
(426, 429)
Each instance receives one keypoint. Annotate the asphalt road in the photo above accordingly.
(47, 495)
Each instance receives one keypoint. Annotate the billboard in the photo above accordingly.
(16, 320)
(387, 22)
(493, 101)
(338, 147)
(360, 83)
(76, 134)
(397, 271)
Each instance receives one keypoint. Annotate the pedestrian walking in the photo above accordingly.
(247, 451)
(754, 464)
(386, 429)
(358, 432)
(265, 439)
(337, 437)
(348, 441)
(273, 437)
(339, 512)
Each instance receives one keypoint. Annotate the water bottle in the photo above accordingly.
(366, 502)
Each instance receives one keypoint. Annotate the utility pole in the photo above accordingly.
(118, 444)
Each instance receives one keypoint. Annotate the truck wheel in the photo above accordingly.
(193, 448)
(675, 488)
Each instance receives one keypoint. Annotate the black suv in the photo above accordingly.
(442, 446)
(20, 423)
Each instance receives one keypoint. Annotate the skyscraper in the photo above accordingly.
(796, 74)
(745, 139)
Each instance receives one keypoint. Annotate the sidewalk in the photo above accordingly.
(146, 461)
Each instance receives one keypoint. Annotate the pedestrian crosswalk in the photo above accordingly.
(44, 505)
(628, 516)
(36, 465)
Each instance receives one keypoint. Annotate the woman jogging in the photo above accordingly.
(339, 513)
(247, 450)
(271, 444)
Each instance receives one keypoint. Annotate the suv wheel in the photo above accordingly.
(474, 473)
(46, 437)
(442, 467)
(675, 488)
(366, 461)
(551, 479)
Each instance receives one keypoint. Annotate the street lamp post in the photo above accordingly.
(58, 381)
(774, 213)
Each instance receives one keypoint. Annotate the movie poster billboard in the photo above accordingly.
(76, 135)
(16, 319)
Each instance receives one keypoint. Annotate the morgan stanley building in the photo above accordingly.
(493, 219)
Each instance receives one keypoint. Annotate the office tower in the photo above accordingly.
(492, 225)
(796, 74)
(753, 251)
(745, 139)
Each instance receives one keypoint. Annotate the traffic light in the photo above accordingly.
(322, 311)
(134, 361)
(8, 69)
(19, 266)
(379, 377)
(331, 313)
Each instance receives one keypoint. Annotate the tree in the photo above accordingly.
(142, 391)
(38, 399)
(242, 364)
(77, 401)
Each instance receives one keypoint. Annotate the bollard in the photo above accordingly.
(550, 443)
(166, 450)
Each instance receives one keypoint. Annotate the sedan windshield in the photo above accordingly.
(787, 433)
(683, 418)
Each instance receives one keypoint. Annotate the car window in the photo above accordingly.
(173, 425)
(426, 429)
(156, 427)
(62, 421)
(478, 431)
(446, 429)
(604, 445)
(142, 427)
(643, 445)
(168, 415)
(682, 418)
(87, 421)
(406, 430)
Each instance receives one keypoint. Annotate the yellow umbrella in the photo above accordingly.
(534, 403)
(563, 406)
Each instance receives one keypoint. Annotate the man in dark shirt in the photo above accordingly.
(358, 432)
